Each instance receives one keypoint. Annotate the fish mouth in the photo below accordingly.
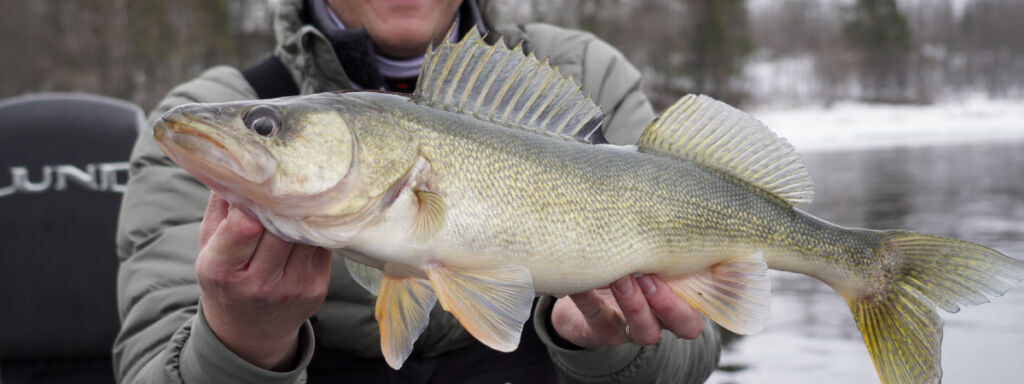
(194, 145)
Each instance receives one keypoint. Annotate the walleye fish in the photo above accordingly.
(490, 185)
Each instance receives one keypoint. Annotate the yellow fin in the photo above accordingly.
(736, 294)
(709, 132)
(403, 309)
(903, 334)
(430, 218)
(491, 304)
(896, 315)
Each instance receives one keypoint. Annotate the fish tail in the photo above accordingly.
(917, 273)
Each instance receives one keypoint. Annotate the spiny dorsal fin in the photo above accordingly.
(709, 132)
(504, 86)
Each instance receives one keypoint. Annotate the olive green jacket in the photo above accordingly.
(164, 337)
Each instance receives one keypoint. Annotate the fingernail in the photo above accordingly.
(624, 286)
(647, 285)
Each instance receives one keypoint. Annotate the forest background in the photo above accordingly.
(751, 53)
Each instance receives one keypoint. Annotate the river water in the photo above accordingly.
(973, 192)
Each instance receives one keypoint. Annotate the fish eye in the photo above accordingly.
(263, 120)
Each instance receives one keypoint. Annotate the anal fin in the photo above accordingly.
(736, 293)
(403, 309)
(492, 304)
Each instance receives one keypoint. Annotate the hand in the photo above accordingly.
(599, 317)
(257, 289)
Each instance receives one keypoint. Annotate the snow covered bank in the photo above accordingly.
(850, 125)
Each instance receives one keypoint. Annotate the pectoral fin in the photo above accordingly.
(430, 217)
(736, 294)
(491, 304)
(368, 277)
(403, 308)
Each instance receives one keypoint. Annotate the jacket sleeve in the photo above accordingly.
(671, 360)
(616, 86)
(164, 338)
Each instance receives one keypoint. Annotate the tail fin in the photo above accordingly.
(897, 318)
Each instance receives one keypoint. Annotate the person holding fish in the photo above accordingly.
(211, 295)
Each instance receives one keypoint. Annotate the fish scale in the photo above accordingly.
(491, 185)
(569, 190)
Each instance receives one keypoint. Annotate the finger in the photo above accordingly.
(596, 323)
(321, 265)
(270, 256)
(675, 313)
(301, 272)
(216, 210)
(322, 260)
(591, 306)
(644, 327)
(233, 242)
(300, 260)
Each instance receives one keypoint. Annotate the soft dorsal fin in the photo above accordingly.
(709, 132)
(507, 87)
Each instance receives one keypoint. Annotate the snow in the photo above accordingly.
(856, 125)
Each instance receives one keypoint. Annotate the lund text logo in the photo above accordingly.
(95, 177)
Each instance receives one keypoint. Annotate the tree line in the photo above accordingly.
(134, 50)
(907, 51)
(902, 51)
(819, 51)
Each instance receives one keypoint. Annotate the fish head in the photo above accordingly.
(314, 169)
(287, 156)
